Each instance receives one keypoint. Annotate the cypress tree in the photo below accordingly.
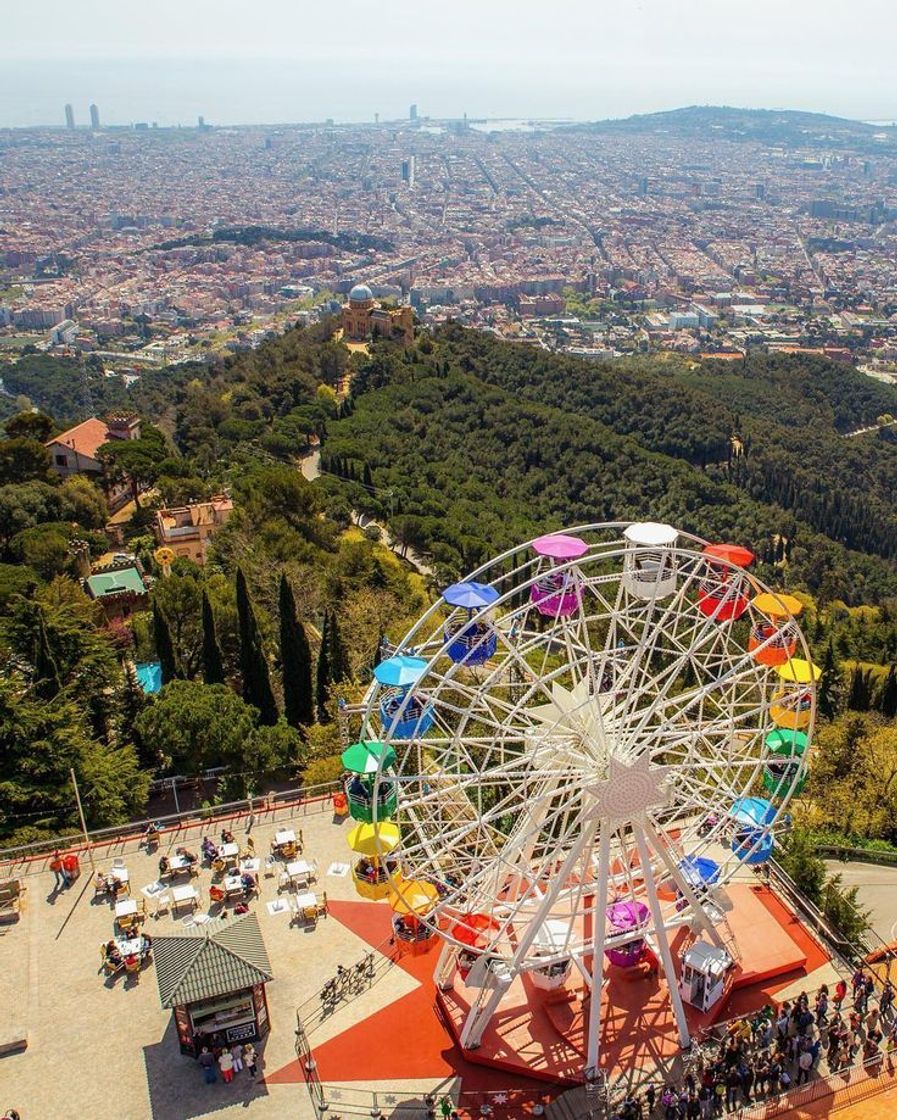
(212, 662)
(257, 689)
(831, 685)
(888, 700)
(168, 662)
(322, 677)
(860, 687)
(295, 662)
(338, 655)
(46, 671)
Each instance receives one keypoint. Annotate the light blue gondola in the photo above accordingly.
(752, 845)
(400, 674)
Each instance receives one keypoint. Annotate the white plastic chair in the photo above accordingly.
(163, 902)
(118, 862)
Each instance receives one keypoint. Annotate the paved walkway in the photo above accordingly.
(104, 1049)
(877, 892)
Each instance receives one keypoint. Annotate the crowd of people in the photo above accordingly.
(768, 1053)
(229, 1060)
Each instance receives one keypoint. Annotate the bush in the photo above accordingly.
(322, 771)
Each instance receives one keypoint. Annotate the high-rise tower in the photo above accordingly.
(69, 117)
(94, 117)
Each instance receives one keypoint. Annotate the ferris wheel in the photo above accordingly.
(570, 755)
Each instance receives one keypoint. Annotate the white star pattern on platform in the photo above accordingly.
(629, 791)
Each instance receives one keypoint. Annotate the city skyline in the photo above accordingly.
(503, 61)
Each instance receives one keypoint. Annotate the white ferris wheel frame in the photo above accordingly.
(543, 696)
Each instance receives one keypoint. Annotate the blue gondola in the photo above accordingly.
(752, 845)
(416, 717)
(472, 640)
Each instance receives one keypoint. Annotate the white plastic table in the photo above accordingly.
(300, 869)
(120, 875)
(126, 907)
(306, 899)
(279, 906)
(188, 893)
(132, 947)
(285, 837)
(232, 884)
(180, 863)
(229, 851)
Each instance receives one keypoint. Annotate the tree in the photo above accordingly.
(295, 661)
(23, 460)
(193, 727)
(134, 460)
(322, 676)
(859, 698)
(179, 597)
(212, 664)
(257, 689)
(40, 743)
(338, 656)
(30, 425)
(168, 662)
(887, 702)
(831, 685)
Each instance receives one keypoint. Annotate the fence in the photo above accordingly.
(289, 803)
(850, 1086)
(860, 855)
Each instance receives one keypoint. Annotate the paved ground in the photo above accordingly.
(877, 892)
(105, 1049)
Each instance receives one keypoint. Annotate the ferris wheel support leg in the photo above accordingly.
(660, 933)
(682, 883)
(441, 973)
(598, 938)
(479, 1016)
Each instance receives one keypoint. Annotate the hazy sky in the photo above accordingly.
(297, 60)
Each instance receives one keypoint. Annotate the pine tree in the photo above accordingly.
(338, 654)
(831, 685)
(168, 662)
(257, 689)
(322, 677)
(212, 661)
(887, 702)
(295, 662)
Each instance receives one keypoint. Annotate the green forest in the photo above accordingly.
(461, 446)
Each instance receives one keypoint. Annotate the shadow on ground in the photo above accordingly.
(177, 1090)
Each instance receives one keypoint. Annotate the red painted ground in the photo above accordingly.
(540, 1035)
(406, 1039)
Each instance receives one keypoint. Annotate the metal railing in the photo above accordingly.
(289, 803)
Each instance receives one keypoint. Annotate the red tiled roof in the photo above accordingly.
(85, 438)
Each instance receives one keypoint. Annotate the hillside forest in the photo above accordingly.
(459, 447)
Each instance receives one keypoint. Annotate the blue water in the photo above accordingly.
(149, 676)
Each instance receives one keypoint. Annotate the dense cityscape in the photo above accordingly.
(153, 245)
(448, 562)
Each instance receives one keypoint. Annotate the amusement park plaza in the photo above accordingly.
(548, 885)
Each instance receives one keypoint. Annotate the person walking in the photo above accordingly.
(804, 1065)
(250, 1059)
(207, 1062)
(840, 993)
(58, 868)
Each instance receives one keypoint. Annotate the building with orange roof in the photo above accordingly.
(75, 451)
(188, 530)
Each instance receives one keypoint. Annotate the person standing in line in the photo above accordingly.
(207, 1061)
(236, 1052)
(250, 1058)
(226, 1065)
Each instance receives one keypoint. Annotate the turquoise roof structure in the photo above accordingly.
(116, 583)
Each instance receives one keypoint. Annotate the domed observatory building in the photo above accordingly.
(363, 318)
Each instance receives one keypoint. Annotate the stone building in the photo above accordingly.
(363, 318)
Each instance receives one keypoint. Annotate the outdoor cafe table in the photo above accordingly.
(125, 908)
(306, 900)
(287, 836)
(300, 869)
(233, 884)
(130, 947)
(253, 866)
(179, 863)
(119, 874)
(188, 893)
(229, 851)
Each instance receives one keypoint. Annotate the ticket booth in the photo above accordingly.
(704, 971)
(213, 978)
